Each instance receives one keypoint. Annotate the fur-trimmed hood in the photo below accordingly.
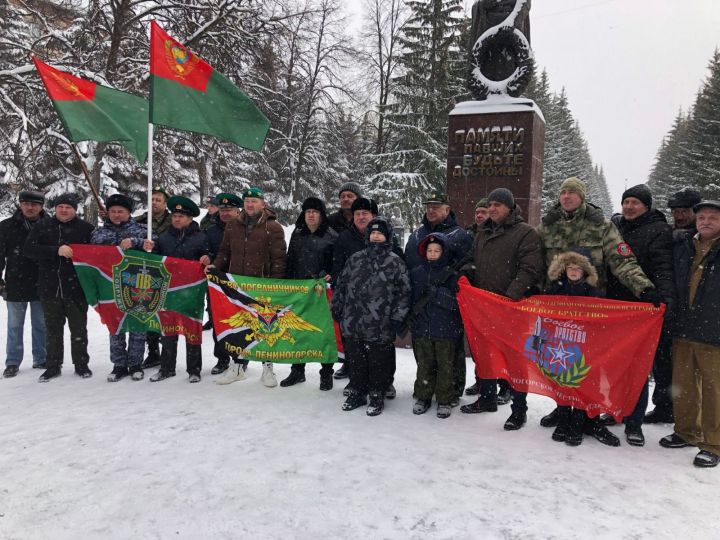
(560, 263)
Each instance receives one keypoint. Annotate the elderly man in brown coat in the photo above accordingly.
(508, 261)
(253, 245)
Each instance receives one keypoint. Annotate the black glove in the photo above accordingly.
(652, 296)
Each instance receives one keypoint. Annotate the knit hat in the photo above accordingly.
(503, 196)
(351, 186)
(482, 203)
(66, 198)
(640, 192)
(575, 185)
(31, 197)
(685, 198)
(313, 203)
(361, 203)
(379, 224)
(118, 199)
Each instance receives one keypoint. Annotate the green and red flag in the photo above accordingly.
(92, 112)
(590, 353)
(134, 291)
(272, 320)
(186, 93)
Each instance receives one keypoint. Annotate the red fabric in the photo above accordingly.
(590, 353)
(62, 86)
(171, 60)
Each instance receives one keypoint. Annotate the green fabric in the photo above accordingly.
(111, 116)
(223, 111)
(435, 369)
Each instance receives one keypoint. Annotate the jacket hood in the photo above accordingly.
(439, 238)
(561, 261)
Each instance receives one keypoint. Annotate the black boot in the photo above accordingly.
(152, 359)
(550, 420)
(326, 381)
(343, 372)
(561, 430)
(118, 373)
(516, 421)
(354, 401)
(295, 377)
(478, 407)
(594, 428)
(574, 435)
(659, 415)
(377, 404)
(83, 371)
(221, 366)
(473, 390)
(634, 436)
(10, 372)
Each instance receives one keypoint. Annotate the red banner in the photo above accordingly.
(590, 353)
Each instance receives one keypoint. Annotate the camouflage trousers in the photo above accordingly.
(435, 369)
(127, 353)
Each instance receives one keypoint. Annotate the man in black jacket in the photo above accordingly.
(58, 285)
(696, 343)
(343, 218)
(19, 288)
(681, 204)
(649, 236)
(310, 256)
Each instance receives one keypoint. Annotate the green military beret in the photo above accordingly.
(183, 205)
(227, 200)
(159, 189)
(253, 192)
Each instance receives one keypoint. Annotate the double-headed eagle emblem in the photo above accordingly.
(270, 323)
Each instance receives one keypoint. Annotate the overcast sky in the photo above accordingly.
(628, 66)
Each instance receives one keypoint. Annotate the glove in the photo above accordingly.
(652, 296)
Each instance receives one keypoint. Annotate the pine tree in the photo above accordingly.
(668, 173)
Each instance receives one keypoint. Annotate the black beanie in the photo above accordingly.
(118, 199)
(641, 192)
(381, 225)
(66, 198)
(361, 203)
(503, 196)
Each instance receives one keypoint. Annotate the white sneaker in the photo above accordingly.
(268, 378)
(233, 373)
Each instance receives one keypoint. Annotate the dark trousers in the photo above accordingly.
(459, 367)
(153, 343)
(435, 369)
(371, 365)
(638, 415)
(168, 358)
(219, 350)
(326, 370)
(56, 311)
(662, 373)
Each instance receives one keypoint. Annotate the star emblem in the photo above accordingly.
(560, 356)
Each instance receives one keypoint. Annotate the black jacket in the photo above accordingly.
(21, 273)
(310, 255)
(338, 223)
(190, 243)
(351, 241)
(460, 240)
(651, 239)
(214, 232)
(56, 275)
(701, 321)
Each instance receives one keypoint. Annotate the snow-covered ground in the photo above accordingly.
(90, 459)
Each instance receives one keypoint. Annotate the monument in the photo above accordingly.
(497, 140)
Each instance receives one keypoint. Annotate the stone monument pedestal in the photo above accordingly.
(495, 143)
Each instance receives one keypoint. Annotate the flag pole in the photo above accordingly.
(150, 181)
(85, 171)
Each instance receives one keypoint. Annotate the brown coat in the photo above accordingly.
(508, 260)
(260, 252)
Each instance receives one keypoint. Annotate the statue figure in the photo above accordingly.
(501, 60)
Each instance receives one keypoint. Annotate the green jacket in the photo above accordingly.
(588, 228)
(159, 225)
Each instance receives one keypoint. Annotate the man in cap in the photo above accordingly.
(183, 240)
(343, 218)
(439, 218)
(649, 236)
(696, 343)
(681, 205)
(19, 288)
(253, 245)
(58, 285)
(481, 214)
(575, 223)
(229, 206)
(161, 222)
(212, 210)
(310, 256)
(508, 261)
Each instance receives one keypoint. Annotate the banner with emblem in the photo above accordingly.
(134, 291)
(590, 353)
(272, 320)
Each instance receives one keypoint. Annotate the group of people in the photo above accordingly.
(381, 291)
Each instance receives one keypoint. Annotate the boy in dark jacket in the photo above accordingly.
(371, 302)
(436, 327)
(121, 230)
(572, 274)
(184, 240)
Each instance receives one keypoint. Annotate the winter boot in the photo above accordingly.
(444, 411)
(10, 372)
(268, 377)
(194, 378)
(574, 435)
(634, 436)
(421, 406)
(136, 373)
(221, 366)
(561, 430)
(473, 390)
(705, 459)
(294, 378)
(659, 415)
(118, 372)
(674, 441)
(550, 420)
(343, 372)
(516, 421)
(233, 373)
(478, 407)
(152, 359)
(162, 375)
(83, 371)
(606, 420)
(50, 373)
(390, 393)
(354, 401)
(504, 396)
(594, 428)
(347, 390)
(376, 405)
(326, 382)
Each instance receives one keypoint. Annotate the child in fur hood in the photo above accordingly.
(572, 274)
